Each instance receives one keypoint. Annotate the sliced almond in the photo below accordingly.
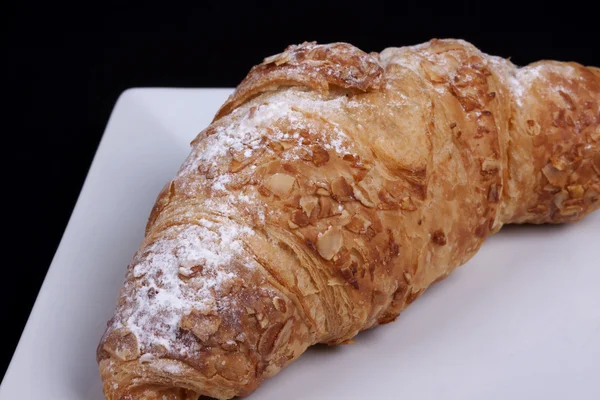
(320, 156)
(342, 257)
(363, 196)
(328, 207)
(322, 192)
(576, 191)
(554, 175)
(330, 242)
(360, 174)
(266, 344)
(568, 211)
(344, 218)
(299, 218)
(308, 204)
(203, 326)
(341, 190)
(277, 59)
(311, 235)
(358, 224)
(559, 198)
(434, 73)
(122, 344)
(314, 215)
(280, 185)
(284, 334)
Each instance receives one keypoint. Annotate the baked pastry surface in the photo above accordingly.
(331, 189)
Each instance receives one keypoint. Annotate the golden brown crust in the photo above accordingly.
(330, 191)
(315, 66)
(557, 128)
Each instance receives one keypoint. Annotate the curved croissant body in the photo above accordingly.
(332, 188)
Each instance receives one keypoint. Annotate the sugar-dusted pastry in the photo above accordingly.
(332, 188)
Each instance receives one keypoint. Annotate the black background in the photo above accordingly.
(65, 65)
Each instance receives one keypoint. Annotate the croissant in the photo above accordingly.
(332, 188)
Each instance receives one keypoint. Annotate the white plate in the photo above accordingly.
(519, 321)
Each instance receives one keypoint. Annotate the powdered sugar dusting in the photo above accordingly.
(520, 80)
(172, 368)
(231, 204)
(243, 133)
(155, 306)
(517, 80)
(192, 266)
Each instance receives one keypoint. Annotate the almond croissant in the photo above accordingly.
(331, 189)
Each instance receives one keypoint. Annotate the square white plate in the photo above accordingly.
(519, 321)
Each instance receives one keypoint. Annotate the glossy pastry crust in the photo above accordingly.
(332, 188)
